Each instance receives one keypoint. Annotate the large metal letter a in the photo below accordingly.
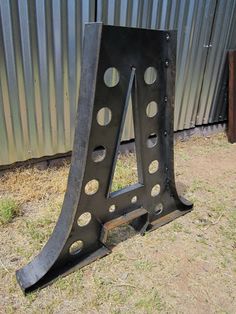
(115, 67)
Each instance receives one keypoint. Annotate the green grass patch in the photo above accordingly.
(9, 209)
(39, 231)
(125, 172)
(197, 185)
(143, 265)
(151, 303)
(177, 227)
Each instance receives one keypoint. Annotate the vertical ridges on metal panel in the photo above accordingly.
(40, 49)
(232, 37)
(28, 87)
(211, 110)
(9, 82)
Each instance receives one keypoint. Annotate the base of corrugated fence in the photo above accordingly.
(126, 147)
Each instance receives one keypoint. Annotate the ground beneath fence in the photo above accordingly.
(187, 266)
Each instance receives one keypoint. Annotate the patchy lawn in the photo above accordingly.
(187, 266)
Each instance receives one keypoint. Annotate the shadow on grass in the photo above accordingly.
(120, 234)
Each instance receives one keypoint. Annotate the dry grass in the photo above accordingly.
(125, 172)
(31, 184)
(187, 266)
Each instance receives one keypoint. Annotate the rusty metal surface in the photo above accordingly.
(154, 197)
(232, 98)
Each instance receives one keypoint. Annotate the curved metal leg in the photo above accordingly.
(131, 51)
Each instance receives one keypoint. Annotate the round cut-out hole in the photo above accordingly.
(152, 140)
(91, 187)
(111, 77)
(150, 75)
(112, 208)
(104, 116)
(76, 247)
(155, 190)
(153, 167)
(98, 154)
(151, 109)
(134, 199)
(84, 219)
(158, 209)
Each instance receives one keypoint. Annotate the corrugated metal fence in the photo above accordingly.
(40, 52)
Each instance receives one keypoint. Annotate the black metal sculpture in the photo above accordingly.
(150, 203)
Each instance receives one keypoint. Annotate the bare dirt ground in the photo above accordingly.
(187, 266)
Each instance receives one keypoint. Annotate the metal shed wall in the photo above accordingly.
(40, 52)
(210, 109)
(232, 40)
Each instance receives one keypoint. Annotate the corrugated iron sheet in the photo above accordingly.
(40, 52)
(210, 108)
(232, 40)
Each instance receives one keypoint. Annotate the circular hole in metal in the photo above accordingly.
(91, 187)
(158, 209)
(150, 75)
(112, 208)
(153, 167)
(84, 219)
(76, 247)
(155, 190)
(104, 116)
(151, 109)
(152, 140)
(99, 153)
(134, 199)
(111, 77)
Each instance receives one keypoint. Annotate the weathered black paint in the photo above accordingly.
(131, 51)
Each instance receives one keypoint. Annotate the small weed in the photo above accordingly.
(118, 257)
(183, 155)
(23, 252)
(31, 297)
(101, 282)
(202, 241)
(197, 185)
(224, 263)
(143, 265)
(177, 227)
(39, 230)
(8, 210)
(218, 208)
(210, 189)
(118, 297)
(171, 236)
(64, 284)
(151, 303)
